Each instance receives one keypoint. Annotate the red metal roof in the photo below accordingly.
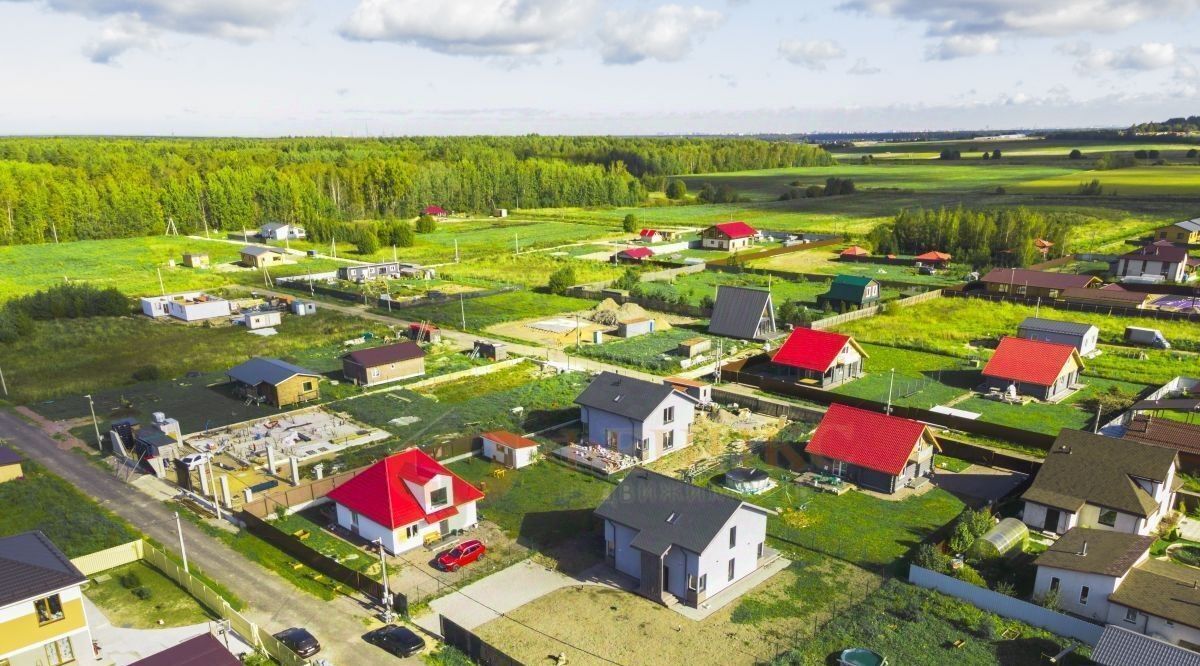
(1030, 361)
(734, 230)
(381, 494)
(866, 439)
(933, 255)
(509, 439)
(811, 350)
(637, 253)
(855, 251)
(646, 233)
(434, 210)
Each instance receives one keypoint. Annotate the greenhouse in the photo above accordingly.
(1008, 534)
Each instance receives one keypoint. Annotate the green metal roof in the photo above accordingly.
(848, 288)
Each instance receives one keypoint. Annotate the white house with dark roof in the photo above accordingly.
(646, 420)
(1082, 337)
(1119, 646)
(678, 540)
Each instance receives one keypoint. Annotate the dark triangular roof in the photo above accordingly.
(738, 311)
(32, 566)
(625, 396)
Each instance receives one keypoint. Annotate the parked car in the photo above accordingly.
(461, 555)
(399, 641)
(299, 641)
(194, 460)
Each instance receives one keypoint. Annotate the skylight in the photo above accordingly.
(672, 518)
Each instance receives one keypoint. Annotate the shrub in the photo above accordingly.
(147, 373)
(838, 186)
(130, 580)
(1076, 154)
(1006, 588)
(990, 627)
(707, 302)
(967, 574)
(71, 301)
(628, 281)
(367, 242)
(814, 191)
(1093, 189)
(676, 189)
(931, 557)
(962, 538)
(1051, 600)
(142, 593)
(979, 522)
(562, 279)
(426, 224)
(630, 223)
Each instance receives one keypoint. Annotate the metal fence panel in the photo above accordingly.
(473, 646)
(109, 558)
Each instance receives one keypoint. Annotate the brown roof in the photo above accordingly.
(1043, 279)
(1159, 251)
(393, 353)
(203, 650)
(1165, 432)
(1104, 295)
(509, 439)
(1166, 590)
(1096, 551)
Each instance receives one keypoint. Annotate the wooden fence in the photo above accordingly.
(871, 311)
(476, 649)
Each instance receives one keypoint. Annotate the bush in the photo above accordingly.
(676, 189)
(1093, 189)
(630, 223)
(562, 279)
(707, 302)
(950, 155)
(990, 627)
(426, 224)
(130, 580)
(367, 242)
(628, 281)
(838, 186)
(1076, 154)
(142, 593)
(962, 539)
(1193, 153)
(1006, 588)
(1051, 600)
(931, 557)
(967, 574)
(147, 373)
(71, 301)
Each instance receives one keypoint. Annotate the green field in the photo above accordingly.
(498, 309)
(1133, 181)
(921, 379)
(694, 287)
(138, 596)
(645, 352)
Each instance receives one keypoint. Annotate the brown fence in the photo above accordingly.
(474, 647)
(268, 503)
(768, 407)
(318, 562)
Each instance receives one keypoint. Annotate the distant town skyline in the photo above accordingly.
(405, 67)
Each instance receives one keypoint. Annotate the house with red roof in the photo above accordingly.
(877, 451)
(854, 253)
(933, 258)
(404, 498)
(649, 236)
(819, 358)
(1040, 369)
(435, 211)
(633, 255)
(728, 236)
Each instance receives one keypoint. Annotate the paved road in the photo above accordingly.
(273, 603)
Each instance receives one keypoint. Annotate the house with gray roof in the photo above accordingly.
(41, 603)
(1119, 646)
(1182, 233)
(261, 256)
(743, 312)
(646, 420)
(682, 543)
(274, 382)
(1103, 483)
(1081, 336)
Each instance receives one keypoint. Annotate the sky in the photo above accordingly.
(405, 67)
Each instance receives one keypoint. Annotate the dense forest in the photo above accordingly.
(980, 238)
(1188, 125)
(86, 188)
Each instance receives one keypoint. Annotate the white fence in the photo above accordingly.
(1010, 607)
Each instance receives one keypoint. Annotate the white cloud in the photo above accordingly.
(119, 36)
(1032, 17)
(238, 20)
(470, 27)
(814, 54)
(665, 33)
(962, 46)
(1140, 58)
(863, 68)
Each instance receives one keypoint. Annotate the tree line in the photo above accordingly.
(978, 237)
(87, 188)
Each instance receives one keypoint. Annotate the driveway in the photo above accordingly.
(487, 599)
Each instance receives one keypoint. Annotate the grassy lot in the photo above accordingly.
(909, 625)
(138, 596)
(105, 352)
(1133, 181)
(1045, 417)
(921, 379)
(314, 521)
(529, 269)
(647, 352)
(824, 261)
(489, 310)
(694, 287)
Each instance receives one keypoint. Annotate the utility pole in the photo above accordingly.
(456, 250)
(182, 548)
(95, 423)
(462, 310)
(212, 482)
(395, 257)
(3, 384)
(388, 616)
(891, 380)
(161, 286)
(1096, 428)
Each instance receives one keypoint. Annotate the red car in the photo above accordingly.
(462, 555)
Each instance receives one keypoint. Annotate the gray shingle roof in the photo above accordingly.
(1119, 646)
(31, 566)
(1054, 326)
(270, 370)
(1162, 589)
(645, 500)
(1189, 225)
(737, 312)
(1107, 552)
(272, 226)
(625, 396)
(1082, 467)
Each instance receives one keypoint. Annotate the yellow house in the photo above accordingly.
(10, 465)
(42, 622)
(1181, 233)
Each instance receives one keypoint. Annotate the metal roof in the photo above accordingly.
(203, 650)
(738, 311)
(625, 396)
(8, 456)
(1119, 646)
(269, 370)
(1055, 326)
(1189, 225)
(393, 353)
(667, 511)
(32, 566)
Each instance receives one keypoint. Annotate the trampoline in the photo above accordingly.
(748, 480)
(861, 657)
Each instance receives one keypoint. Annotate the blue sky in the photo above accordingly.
(355, 67)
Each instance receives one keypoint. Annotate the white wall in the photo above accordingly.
(196, 311)
(714, 561)
(626, 559)
(367, 528)
(1071, 584)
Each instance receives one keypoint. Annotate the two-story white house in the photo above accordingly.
(681, 541)
(1103, 483)
(42, 622)
(281, 231)
(404, 498)
(646, 420)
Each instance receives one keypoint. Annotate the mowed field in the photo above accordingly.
(1133, 181)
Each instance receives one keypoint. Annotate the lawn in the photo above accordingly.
(654, 352)
(105, 352)
(138, 596)
(695, 286)
(75, 523)
(1045, 417)
(824, 261)
(921, 379)
(529, 269)
(909, 625)
(313, 521)
(498, 309)
(1132, 181)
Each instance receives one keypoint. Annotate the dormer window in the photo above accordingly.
(672, 518)
(439, 497)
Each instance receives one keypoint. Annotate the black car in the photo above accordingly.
(400, 641)
(299, 641)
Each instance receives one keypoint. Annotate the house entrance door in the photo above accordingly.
(1051, 524)
(666, 581)
(444, 527)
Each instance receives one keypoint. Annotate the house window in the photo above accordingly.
(1002, 288)
(439, 497)
(761, 545)
(49, 609)
(1108, 517)
(354, 519)
(308, 386)
(1054, 584)
(1130, 615)
(669, 415)
(610, 549)
(733, 536)
(1053, 293)
(703, 584)
(668, 440)
(612, 438)
(374, 372)
(59, 652)
(1083, 595)
(731, 567)
(411, 531)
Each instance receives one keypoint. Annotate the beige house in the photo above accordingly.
(275, 382)
(196, 260)
(257, 256)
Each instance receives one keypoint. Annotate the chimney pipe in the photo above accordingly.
(1083, 551)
